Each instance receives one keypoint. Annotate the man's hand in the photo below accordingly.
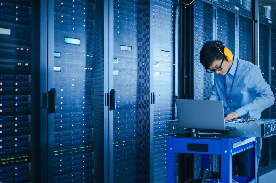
(232, 115)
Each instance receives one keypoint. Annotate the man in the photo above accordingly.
(241, 87)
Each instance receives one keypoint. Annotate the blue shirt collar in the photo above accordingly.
(233, 67)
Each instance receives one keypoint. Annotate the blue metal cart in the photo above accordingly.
(225, 147)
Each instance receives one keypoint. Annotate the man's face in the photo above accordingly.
(220, 67)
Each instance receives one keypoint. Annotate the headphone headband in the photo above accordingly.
(211, 43)
(226, 52)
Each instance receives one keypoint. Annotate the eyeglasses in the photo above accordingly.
(215, 70)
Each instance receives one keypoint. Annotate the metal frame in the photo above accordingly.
(237, 34)
(226, 147)
(255, 19)
(215, 22)
(50, 84)
(151, 91)
(106, 76)
(110, 46)
(35, 91)
(43, 126)
(185, 76)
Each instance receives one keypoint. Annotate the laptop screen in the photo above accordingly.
(200, 114)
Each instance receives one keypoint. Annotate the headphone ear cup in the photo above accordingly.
(228, 54)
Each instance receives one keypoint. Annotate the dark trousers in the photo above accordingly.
(243, 160)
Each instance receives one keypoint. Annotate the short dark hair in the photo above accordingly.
(211, 50)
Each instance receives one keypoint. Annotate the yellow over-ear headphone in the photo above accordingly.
(228, 54)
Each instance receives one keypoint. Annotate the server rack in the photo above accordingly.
(103, 66)
(267, 63)
(16, 94)
(228, 22)
(83, 56)
(76, 71)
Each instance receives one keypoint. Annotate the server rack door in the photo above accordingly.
(164, 39)
(135, 155)
(15, 90)
(76, 72)
(130, 81)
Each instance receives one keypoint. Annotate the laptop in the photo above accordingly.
(200, 114)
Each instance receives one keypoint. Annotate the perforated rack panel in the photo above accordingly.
(226, 28)
(125, 82)
(269, 128)
(245, 38)
(131, 81)
(78, 79)
(164, 53)
(143, 90)
(15, 91)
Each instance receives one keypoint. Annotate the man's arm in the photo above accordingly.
(264, 99)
